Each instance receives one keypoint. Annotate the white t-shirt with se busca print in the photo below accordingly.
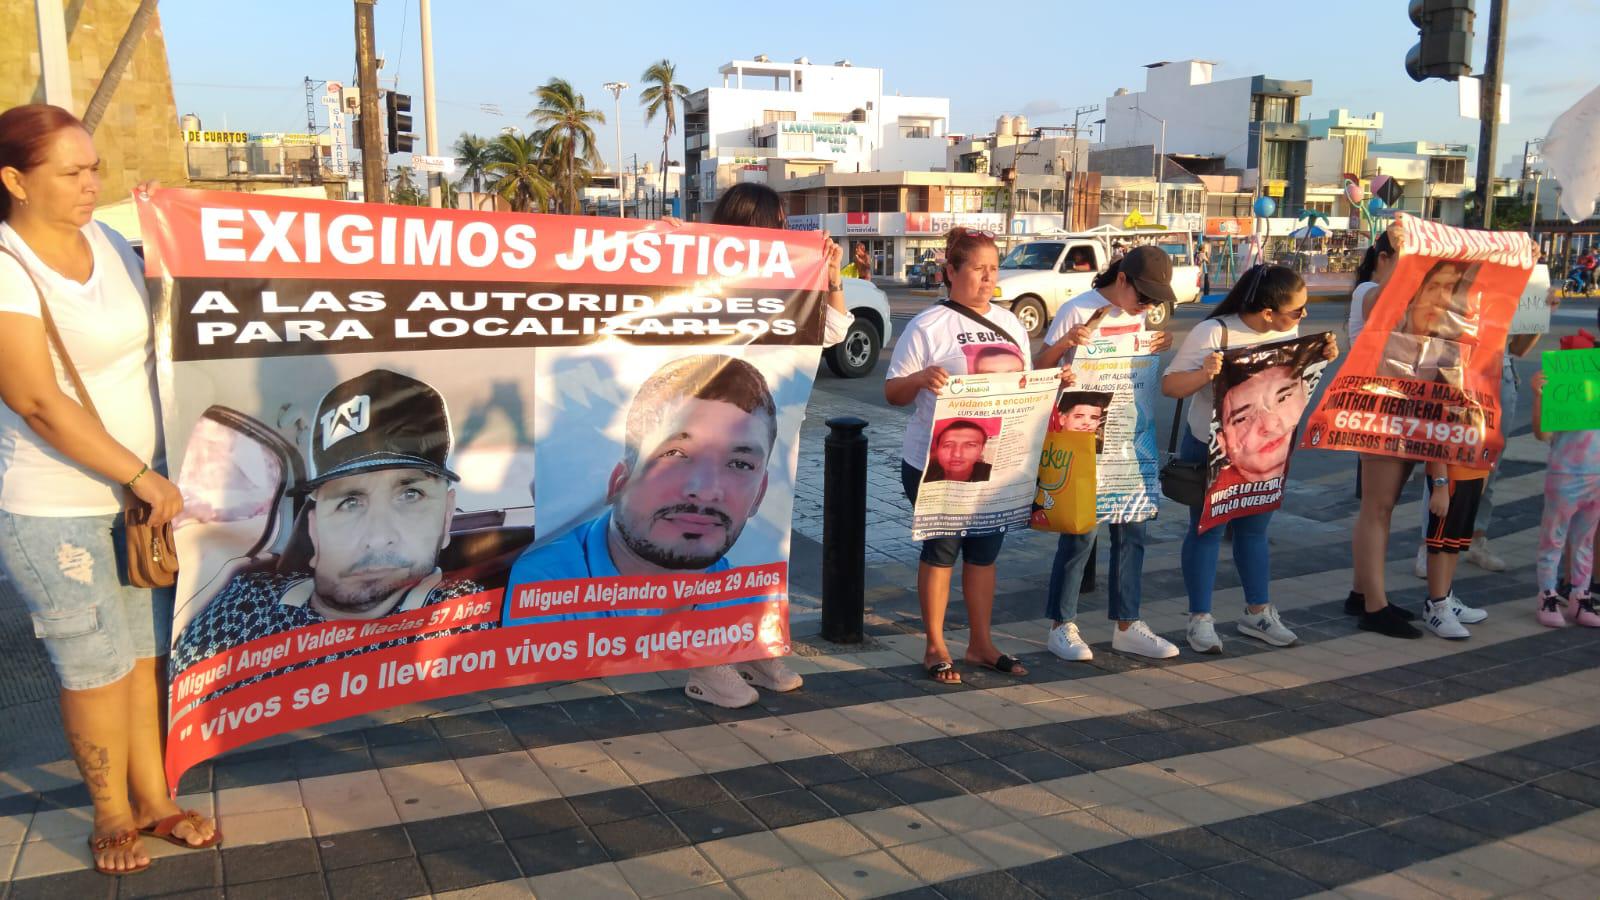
(940, 336)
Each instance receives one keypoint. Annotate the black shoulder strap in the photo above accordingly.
(981, 319)
(1177, 412)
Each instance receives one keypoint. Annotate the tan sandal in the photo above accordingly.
(99, 845)
(163, 829)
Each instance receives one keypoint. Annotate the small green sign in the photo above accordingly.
(1571, 399)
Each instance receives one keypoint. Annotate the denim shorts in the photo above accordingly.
(93, 626)
(942, 552)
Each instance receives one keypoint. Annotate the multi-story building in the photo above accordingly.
(1249, 123)
(815, 118)
(1433, 176)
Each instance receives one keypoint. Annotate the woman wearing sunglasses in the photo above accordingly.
(1266, 305)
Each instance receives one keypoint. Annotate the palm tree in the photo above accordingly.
(143, 15)
(568, 138)
(518, 172)
(661, 97)
(474, 154)
(403, 190)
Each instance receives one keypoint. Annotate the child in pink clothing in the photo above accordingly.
(1571, 509)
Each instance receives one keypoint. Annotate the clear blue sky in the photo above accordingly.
(242, 64)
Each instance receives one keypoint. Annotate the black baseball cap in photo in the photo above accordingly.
(1149, 270)
(380, 420)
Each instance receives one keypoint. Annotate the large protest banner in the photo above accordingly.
(1261, 393)
(1423, 380)
(365, 405)
(1127, 466)
(981, 472)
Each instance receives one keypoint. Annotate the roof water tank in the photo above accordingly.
(1019, 126)
(858, 115)
(191, 122)
(1120, 92)
(1004, 125)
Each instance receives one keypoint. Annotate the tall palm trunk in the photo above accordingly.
(664, 140)
(137, 26)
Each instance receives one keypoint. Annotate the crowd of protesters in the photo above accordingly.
(1266, 305)
(73, 297)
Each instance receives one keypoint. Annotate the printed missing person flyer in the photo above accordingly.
(983, 455)
(1261, 393)
(366, 405)
(1422, 381)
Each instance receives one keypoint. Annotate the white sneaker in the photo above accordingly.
(1065, 642)
(1420, 567)
(769, 673)
(720, 686)
(1465, 614)
(1203, 634)
(1481, 556)
(1139, 639)
(1439, 619)
(1266, 626)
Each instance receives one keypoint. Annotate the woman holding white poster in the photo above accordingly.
(1122, 294)
(964, 335)
(1265, 306)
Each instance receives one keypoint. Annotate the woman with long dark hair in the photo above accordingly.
(1264, 306)
(63, 472)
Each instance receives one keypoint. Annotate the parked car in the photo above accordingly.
(857, 354)
(1037, 277)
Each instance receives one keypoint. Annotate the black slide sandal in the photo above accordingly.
(940, 668)
(1005, 664)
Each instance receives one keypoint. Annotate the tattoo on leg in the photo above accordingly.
(94, 762)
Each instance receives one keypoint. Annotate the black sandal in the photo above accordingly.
(940, 668)
(1005, 664)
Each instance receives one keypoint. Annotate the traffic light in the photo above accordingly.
(1445, 48)
(399, 109)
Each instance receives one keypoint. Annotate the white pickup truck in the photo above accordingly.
(1040, 275)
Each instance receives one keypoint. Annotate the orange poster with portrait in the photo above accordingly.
(1423, 379)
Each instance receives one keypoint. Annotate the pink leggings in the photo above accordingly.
(1571, 513)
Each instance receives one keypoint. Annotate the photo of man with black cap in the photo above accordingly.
(381, 503)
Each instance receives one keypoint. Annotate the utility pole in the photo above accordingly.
(1161, 173)
(374, 163)
(1072, 173)
(429, 119)
(616, 88)
(1489, 109)
(54, 69)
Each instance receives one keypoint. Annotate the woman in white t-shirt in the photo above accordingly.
(1264, 306)
(939, 342)
(62, 474)
(1374, 270)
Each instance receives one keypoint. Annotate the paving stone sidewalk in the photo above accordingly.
(1348, 766)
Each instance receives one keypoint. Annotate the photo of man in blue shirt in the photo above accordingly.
(698, 437)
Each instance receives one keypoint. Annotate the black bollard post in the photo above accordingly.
(844, 530)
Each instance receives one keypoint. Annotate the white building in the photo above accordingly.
(1238, 120)
(815, 118)
(1432, 176)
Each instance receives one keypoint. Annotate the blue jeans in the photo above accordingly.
(93, 627)
(1127, 565)
(1200, 551)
